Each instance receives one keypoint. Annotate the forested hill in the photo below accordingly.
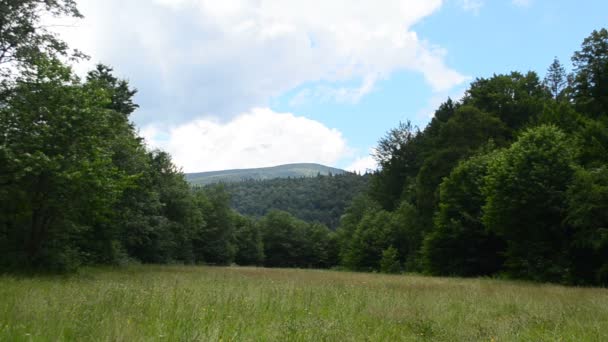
(281, 171)
(313, 199)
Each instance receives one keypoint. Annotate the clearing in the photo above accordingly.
(186, 303)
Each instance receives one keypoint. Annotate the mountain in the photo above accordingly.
(282, 171)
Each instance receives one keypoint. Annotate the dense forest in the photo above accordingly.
(511, 180)
(320, 199)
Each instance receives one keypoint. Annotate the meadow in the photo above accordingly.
(187, 303)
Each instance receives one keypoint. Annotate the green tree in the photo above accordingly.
(129, 156)
(249, 243)
(374, 233)
(390, 261)
(466, 131)
(398, 156)
(526, 205)
(215, 240)
(591, 75)
(56, 166)
(514, 98)
(556, 79)
(23, 38)
(350, 220)
(587, 200)
(319, 243)
(592, 140)
(159, 217)
(283, 238)
(459, 243)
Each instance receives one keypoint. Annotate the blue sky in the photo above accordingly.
(497, 37)
(238, 84)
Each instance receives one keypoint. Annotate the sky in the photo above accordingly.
(241, 84)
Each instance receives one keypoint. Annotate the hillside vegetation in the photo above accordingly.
(177, 303)
(264, 173)
(314, 199)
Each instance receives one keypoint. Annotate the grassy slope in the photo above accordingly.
(177, 303)
(281, 171)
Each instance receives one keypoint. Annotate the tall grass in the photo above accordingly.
(179, 303)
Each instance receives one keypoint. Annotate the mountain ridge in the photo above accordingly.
(296, 170)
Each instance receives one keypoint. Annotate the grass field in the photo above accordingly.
(179, 303)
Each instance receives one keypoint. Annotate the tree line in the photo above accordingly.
(511, 180)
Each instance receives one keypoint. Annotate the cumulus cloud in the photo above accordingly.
(258, 138)
(194, 58)
(363, 165)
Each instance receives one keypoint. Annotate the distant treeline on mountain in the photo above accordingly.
(263, 173)
(313, 199)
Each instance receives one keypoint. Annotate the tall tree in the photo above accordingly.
(556, 79)
(55, 163)
(460, 244)
(591, 75)
(526, 204)
(398, 157)
(514, 98)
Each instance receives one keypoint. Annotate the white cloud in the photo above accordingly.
(325, 93)
(363, 165)
(192, 58)
(472, 5)
(521, 3)
(255, 139)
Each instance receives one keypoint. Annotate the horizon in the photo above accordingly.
(266, 167)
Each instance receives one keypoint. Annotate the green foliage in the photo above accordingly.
(57, 170)
(525, 190)
(398, 156)
(460, 245)
(289, 242)
(592, 137)
(587, 199)
(591, 75)
(214, 244)
(248, 240)
(363, 244)
(320, 199)
(390, 261)
(515, 98)
(23, 39)
(372, 236)
(556, 80)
